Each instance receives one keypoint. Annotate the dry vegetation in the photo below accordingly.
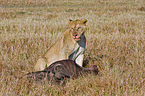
(116, 30)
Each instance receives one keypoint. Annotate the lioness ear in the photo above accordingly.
(70, 21)
(84, 22)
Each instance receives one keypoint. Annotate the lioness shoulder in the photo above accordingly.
(70, 46)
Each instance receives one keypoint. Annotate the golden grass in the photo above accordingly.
(116, 30)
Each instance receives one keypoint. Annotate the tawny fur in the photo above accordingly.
(70, 46)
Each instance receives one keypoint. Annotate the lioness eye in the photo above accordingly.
(78, 28)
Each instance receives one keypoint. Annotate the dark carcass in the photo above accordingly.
(62, 70)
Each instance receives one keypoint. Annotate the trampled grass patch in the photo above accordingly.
(115, 43)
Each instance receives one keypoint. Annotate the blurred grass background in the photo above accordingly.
(116, 30)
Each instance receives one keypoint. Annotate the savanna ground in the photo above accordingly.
(116, 30)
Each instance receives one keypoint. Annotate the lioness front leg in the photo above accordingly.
(41, 64)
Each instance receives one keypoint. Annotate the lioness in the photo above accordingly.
(70, 46)
(62, 70)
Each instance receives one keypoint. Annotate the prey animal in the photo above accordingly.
(59, 71)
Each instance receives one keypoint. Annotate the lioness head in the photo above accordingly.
(77, 28)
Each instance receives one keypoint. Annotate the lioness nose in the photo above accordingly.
(75, 35)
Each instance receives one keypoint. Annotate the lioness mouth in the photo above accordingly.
(76, 39)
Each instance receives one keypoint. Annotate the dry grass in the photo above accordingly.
(116, 30)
